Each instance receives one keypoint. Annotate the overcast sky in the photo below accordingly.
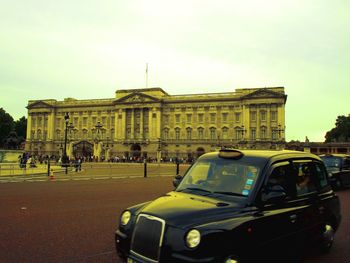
(88, 49)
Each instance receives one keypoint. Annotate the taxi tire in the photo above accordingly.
(327, 238)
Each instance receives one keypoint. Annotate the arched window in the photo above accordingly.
(177, 133)
(225, 133)
(238, 133)
(166, 134)
(213, 133)
(201, 133)
(263, 132)
(85, 134)
(188, 133)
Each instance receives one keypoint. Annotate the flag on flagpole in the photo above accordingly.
(146, 68)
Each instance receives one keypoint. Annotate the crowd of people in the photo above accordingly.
(27, 160)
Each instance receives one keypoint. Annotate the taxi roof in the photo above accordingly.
(265, 154)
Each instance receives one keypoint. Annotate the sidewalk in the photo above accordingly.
(12, 169)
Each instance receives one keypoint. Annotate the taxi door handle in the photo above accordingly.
(321, 209)
(293, 218)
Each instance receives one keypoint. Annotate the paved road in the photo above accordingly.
(74, 221)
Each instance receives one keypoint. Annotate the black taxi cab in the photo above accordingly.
(338, 167)
(235, 206)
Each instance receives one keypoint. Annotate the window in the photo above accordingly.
(321, 175)
(189, 118)
(177, 133)
(225, 133)
(200, 117)
(212, 133)
(177, 118)
(75, 121)
(253, 116)
(305, 177)
(273, 115)
(212, 117)
(189, 133)
(238, 117)
(263, 115)
(281, 176)
(274, 134)
(253, 134)
(200, 133)
(165, 133)
(224, 117)
(84, 121)
(166, 119)
(263, 132)
(238, 133)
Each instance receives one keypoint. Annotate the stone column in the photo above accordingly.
(150, 124)
(158, 129)
(123, 131)
(29, 127)
(246, 122)
(141, 123)
(116, 126)
(51, 126)
(281, 119)
(132, 126)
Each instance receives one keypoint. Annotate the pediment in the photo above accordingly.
(39, 105)
(137, 97)
(263, 93)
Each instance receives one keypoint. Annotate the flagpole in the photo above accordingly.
(146, 75)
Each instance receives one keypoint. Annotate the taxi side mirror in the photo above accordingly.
(177, 180)
(274, 194)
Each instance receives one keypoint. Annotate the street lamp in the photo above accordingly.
(159, 150)
(279, 130)
(65, 157)
(242, 130)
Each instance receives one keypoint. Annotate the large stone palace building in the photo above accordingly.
(151, 123)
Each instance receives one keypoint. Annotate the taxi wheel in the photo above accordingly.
(327, 238)
(339, 184)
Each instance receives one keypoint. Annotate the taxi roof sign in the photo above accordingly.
(230, 154)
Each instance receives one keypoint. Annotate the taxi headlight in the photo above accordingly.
(125, 218)
(193, 238)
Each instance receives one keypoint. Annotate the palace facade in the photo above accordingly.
(151, 123)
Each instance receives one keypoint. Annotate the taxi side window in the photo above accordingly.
(321, 175)
(346, 165)
(282, 175)
(305, 177)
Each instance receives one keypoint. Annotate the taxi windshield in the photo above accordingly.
(331, 161)
(220, 176)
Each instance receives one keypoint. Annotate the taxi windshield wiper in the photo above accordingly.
(197, 189)
(228, 193)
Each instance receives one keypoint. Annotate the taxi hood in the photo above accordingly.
(184, 209)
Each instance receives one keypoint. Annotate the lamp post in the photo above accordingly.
(159, 150)
(279, 130)
(65, 157)
(98, 127)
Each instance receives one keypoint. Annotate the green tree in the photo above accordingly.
(21, 127)
(341, 132)
(6, 125)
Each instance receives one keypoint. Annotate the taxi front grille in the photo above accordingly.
(147, 237)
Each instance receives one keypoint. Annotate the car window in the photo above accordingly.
(346, 164)
(283, 175)
(331, 161)
(321, 175)
(305, 177)
(221, 175)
